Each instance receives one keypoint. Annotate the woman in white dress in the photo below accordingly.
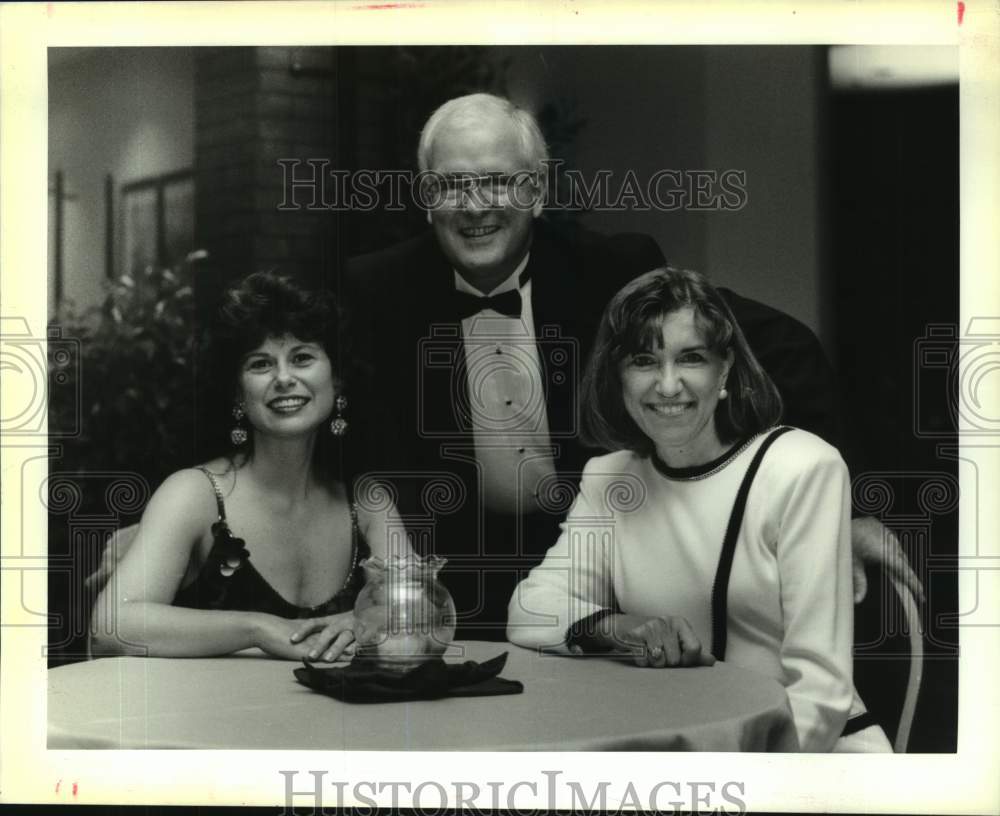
(709, 533)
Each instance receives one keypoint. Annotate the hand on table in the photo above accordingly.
(874, 543)
(321, 639)
(659, 642)
(328, 637)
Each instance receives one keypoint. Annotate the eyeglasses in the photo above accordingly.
(493, 189)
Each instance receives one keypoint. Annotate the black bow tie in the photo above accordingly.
(506, 303)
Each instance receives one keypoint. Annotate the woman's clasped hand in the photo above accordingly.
(660, 642)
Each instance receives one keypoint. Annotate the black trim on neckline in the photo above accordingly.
(695, 471)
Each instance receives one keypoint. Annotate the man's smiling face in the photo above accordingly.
(484, 240)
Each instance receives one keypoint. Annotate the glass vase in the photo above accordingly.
(404, 615)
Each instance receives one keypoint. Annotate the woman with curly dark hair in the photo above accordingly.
(282, 492)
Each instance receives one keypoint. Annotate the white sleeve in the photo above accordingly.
(814, 565)
(572, 582)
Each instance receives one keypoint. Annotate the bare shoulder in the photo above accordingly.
(179, 512)
(223, 471)
(187, 493)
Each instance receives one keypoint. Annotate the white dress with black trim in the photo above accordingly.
(646, 539)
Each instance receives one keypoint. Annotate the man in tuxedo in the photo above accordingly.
(477, 333)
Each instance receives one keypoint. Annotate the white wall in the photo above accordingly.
(124, 111)
(701, 108)
(762, 116)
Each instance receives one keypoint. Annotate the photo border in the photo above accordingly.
(964, 782)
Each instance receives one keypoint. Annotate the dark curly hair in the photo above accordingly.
(632, 323)
(261, 306)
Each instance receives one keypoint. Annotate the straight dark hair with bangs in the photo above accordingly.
(631, 323)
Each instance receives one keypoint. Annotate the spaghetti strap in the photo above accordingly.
(218, 491)
(357, 540)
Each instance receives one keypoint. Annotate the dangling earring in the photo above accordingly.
(238, 435)
(338, 425)
(723, 393)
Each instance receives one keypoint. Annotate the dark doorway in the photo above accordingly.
(895, 285)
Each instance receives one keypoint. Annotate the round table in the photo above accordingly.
(251, 701)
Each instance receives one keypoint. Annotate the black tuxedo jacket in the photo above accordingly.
(402, 302)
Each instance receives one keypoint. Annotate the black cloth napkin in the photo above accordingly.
(362, 682)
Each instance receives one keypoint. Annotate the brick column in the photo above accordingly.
(254, 106)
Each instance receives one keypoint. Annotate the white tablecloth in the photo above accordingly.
(251, 701)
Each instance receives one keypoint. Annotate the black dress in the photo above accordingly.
(228, 579)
